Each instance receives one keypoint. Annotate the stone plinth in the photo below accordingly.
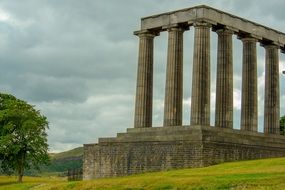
(162, 148)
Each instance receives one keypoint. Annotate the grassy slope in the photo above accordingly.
(77, 152)
(258, 174)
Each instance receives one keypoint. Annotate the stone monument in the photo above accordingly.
(145, 148)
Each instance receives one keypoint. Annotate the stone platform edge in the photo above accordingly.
(193, 133)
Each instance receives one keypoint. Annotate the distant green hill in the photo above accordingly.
(74, 153)
(60, 163)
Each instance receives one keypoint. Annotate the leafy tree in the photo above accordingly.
(23, 137)
(282, 125)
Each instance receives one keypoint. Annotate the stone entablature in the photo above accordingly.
(203, 13)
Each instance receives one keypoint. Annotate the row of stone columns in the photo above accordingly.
(200, 100)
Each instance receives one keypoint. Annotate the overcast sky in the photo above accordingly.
(76, 61)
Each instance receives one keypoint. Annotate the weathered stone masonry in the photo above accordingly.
(144, 148)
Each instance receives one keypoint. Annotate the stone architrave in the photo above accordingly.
(200, 101)
(249, 85)
(271, 95)
(174, 78)
(144, 90)
(224, 83)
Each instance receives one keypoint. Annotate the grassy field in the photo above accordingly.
(255, 175)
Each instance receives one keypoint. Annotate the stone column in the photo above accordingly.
(271, 95)
(224, 83)
(143, 104)
(249, 85)
(174, 79)
(200, 101)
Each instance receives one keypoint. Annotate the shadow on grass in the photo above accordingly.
(8, 183)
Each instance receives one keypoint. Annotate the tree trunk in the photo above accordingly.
(21, 168)
(20, 178)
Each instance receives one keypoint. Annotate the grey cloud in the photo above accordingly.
(85, 122)
(76, 60)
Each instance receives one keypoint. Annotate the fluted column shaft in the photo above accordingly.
(174, 79)
(143, 104)
(224, 83)
(271, 99)
(200, 101)
(249, 85)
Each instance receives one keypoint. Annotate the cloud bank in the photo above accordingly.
(76, 61)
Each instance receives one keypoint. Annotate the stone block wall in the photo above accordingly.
(164, 148)
(225, 145)
(120, 159)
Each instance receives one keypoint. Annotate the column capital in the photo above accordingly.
(146, 33)
(248, 37)
(179, 29)
(269, 45)
(175, 27)
(224, 31)
(225, 28)
(202, 24)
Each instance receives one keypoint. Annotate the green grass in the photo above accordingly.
(9, 183)
(253, 175)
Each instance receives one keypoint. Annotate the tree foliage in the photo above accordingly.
(282, 125)
(23, 137)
